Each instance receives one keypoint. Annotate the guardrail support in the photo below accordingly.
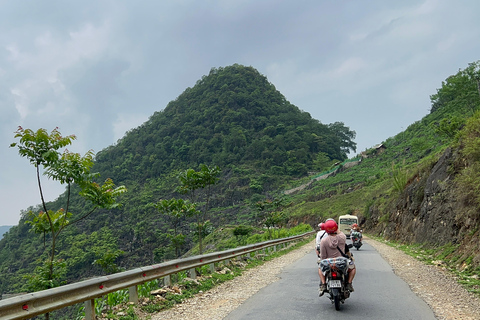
(90, 309)
(212, 267)
(167, 281)
(192, 274)
(133, 294)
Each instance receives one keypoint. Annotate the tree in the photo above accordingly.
(460, 91)
(271, 213)
(41, 149)
(343, 138)
(176, 210)
(193, 181)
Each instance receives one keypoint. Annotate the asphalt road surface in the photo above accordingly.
(379, 294)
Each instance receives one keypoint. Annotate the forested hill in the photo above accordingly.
(233, 118)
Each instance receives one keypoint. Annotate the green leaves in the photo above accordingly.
(47, 275)
(72, 168)
(271, 213)
(42, 150)
(459, 92)
(40, 222)
(40, 147)
(176, 208)
(103, 196)
(192, 180)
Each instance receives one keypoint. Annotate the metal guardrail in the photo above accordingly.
(32, 304)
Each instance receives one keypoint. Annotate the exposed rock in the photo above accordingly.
(428, 211)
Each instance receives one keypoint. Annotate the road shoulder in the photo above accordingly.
(435, 285)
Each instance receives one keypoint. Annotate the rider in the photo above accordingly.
(356, 232)
(329, 248)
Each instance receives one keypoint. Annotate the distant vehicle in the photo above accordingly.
(356, 237)
(345, 222)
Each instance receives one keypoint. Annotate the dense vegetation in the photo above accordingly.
(233, 119)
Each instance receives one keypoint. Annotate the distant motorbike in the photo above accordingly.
(336, 277)
(356, 239)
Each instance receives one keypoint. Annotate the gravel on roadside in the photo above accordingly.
(434, 284)
(447, 299)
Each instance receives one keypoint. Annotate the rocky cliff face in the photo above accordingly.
(429, 211)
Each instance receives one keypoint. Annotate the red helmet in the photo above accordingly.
(330, 226)
(354, 225)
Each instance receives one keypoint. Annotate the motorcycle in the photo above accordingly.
(356, 239)
(336, 278)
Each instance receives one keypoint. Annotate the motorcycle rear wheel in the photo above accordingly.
(337, 302)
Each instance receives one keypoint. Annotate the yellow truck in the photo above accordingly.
(345, 222)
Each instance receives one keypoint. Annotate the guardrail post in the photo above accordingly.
(212, 267)
(167, 281)
(192, 274)
(133, 294)
(90, 309)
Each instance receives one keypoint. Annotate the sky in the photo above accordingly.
(97, 69)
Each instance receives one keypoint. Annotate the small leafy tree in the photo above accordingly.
(271, 213)
(193, 181)
(176, 210)
(42, 150)
(106, 260)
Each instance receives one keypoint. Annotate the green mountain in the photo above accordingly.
(232, 118)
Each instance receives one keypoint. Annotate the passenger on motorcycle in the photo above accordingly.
(320, 235)
(329, 248)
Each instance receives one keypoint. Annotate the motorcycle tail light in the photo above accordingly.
(334, 274)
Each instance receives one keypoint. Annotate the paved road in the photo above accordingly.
(379, 294)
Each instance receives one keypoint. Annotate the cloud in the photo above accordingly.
(97, 69)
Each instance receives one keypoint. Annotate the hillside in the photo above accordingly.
(232, 118)
(422, 187)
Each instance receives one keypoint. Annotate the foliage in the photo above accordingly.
(460, 91)
(193, 181)
(47, 275)
(107, 261)
(449, 127)
(469, 178)
(400, 178)
(271, 214)
(41, 149)
(176, 210)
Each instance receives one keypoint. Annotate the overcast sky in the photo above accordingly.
(99, 68)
